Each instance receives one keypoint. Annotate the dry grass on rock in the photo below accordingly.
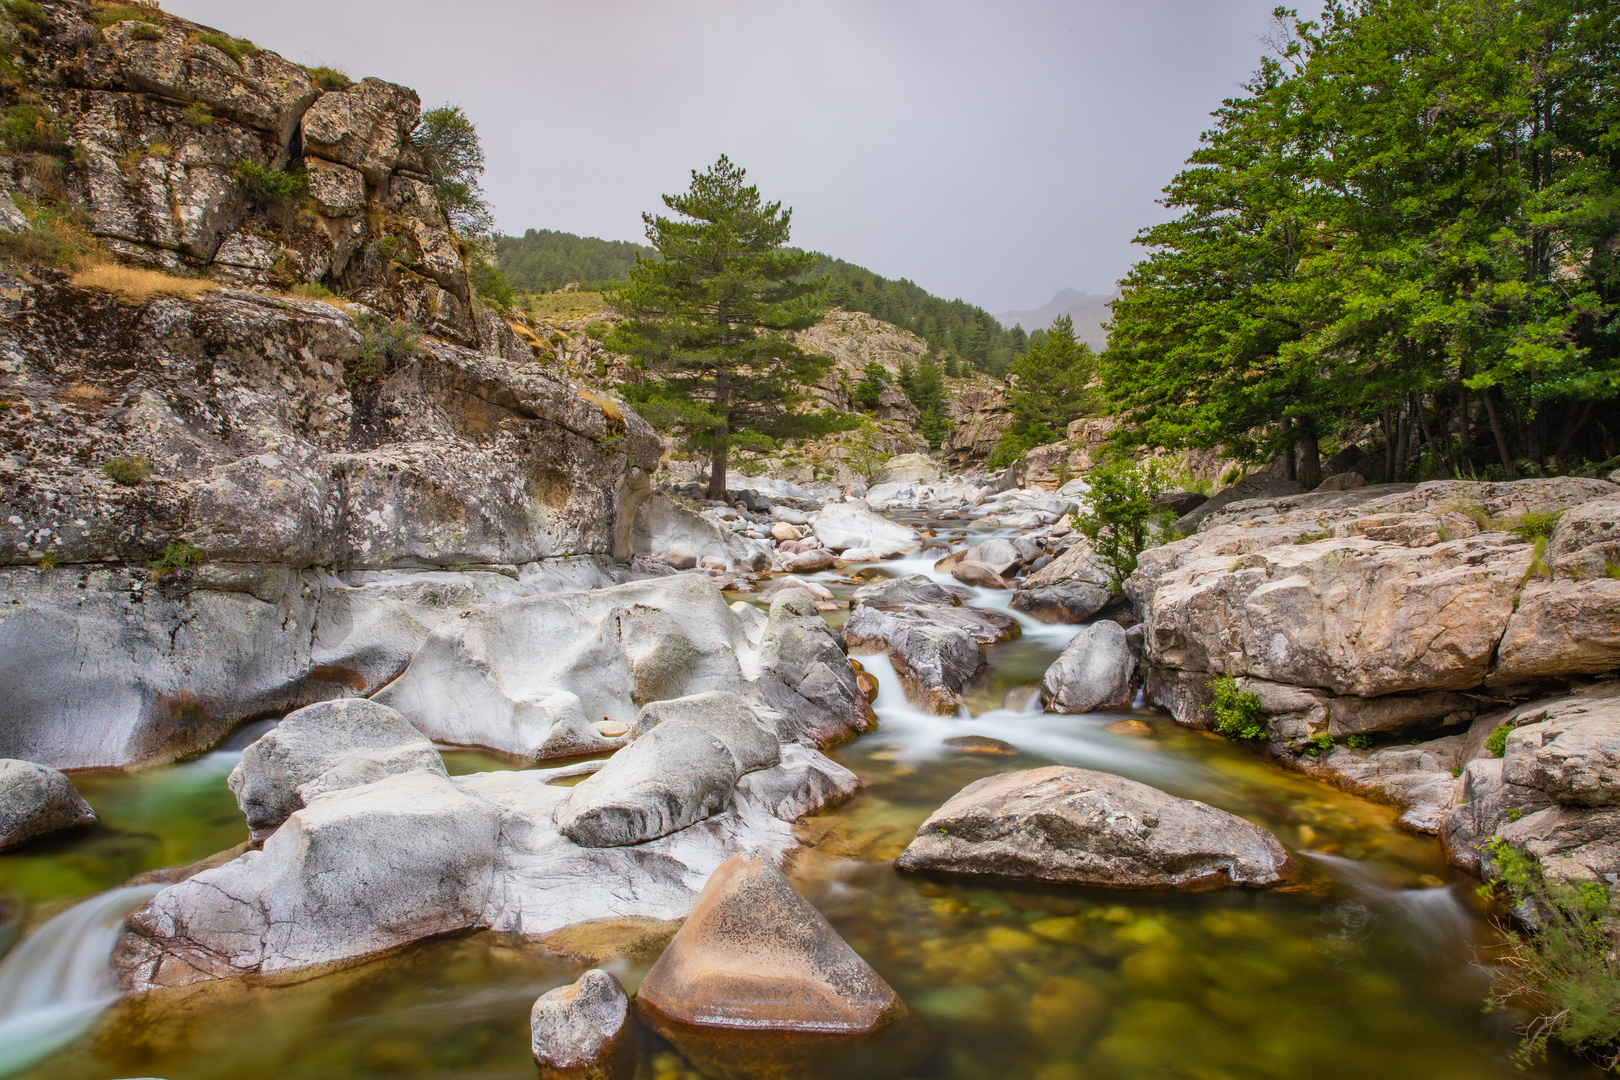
(135, 286)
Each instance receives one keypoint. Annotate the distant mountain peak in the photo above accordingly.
(1088, 310)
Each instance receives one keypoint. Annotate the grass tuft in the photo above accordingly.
(128, 472)
(235, 48)
(177, 555)
(1567, 972)
(135, 286)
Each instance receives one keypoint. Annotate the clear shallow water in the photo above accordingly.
(1370, 968)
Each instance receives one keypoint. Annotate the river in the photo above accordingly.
(1375, 965)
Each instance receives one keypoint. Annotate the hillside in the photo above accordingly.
(543, 260)
(1089, 312)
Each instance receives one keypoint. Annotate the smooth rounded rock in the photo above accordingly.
(1081, 827)
(579, 1030)
(36, 800)
(1093, 671)
(977, 573)
(754, 955)
(325, 747)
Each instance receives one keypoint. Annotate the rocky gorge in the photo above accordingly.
(381, 700)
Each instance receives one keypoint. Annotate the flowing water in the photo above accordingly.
(1374, 966)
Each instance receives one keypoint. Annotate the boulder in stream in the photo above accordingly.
(578, 1031)
(1093, 671)
(754, 955)
(36, 800)
(1080, 827)
(851, 524)
(324, 747)
(681, 766)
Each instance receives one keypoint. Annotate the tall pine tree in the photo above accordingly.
(709, 322)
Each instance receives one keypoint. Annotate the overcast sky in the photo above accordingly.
(994, 150)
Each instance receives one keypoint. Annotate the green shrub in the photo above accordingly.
(487, 280)
(146, 32)
(1237, 712)
(382, 345)
(1320, 743)
(235, 48)
(1533, 526)
(124, 13)
(26, 13)
(1120, 520)
(128, 472)
(1358, 742)
(198, 114)
(177, 555)
(868, 395)
(1313, 537)
(46, 563)
(1456, 771)
(1496, 741)
(1568, 970)
(32, 127)
(269, 186)
(57, 238)
(329, 78)
(313, 291)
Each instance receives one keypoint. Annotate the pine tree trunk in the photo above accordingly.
(1403, 439)
(1288, 448)
(1566, 441)
(1496, 430)
(1389, 446)
(717, 471)
(1310, 455)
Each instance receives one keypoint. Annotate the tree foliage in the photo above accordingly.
(1410, 219)
(924, 384)
(1051, 386)
(1119, 519)
(708, 320)
(448, 142)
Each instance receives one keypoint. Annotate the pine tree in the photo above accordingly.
(708, 322)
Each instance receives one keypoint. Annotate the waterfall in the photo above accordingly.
(57, 980)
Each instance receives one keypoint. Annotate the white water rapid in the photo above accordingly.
(57, 981)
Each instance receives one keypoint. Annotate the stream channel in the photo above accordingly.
(1375, 966)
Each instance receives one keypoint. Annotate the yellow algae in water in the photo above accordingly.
(1236, 926)
(957, 1003)
(1069, 931)
(1005, 940)
(1148, 930)
(1065, 1013)
(1119, 915)
(1230, 1007)
(1060, 1070)
(1244, 974)
(1156, 970)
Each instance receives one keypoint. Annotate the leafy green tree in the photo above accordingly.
(448, 142)
(1119, 519)
(1051, 387)
(868, 395)
(1409, 218)
(924, 385)
(709, 321)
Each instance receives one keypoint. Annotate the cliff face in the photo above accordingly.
(151, 128)
(316, 488)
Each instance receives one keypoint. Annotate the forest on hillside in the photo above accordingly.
(964, 336)
(1405, 232)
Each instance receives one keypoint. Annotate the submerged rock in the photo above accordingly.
(1081, 827)
(578, 1031)
(324, 747)
(754, 955)
(37, 800)
(1093, 671)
